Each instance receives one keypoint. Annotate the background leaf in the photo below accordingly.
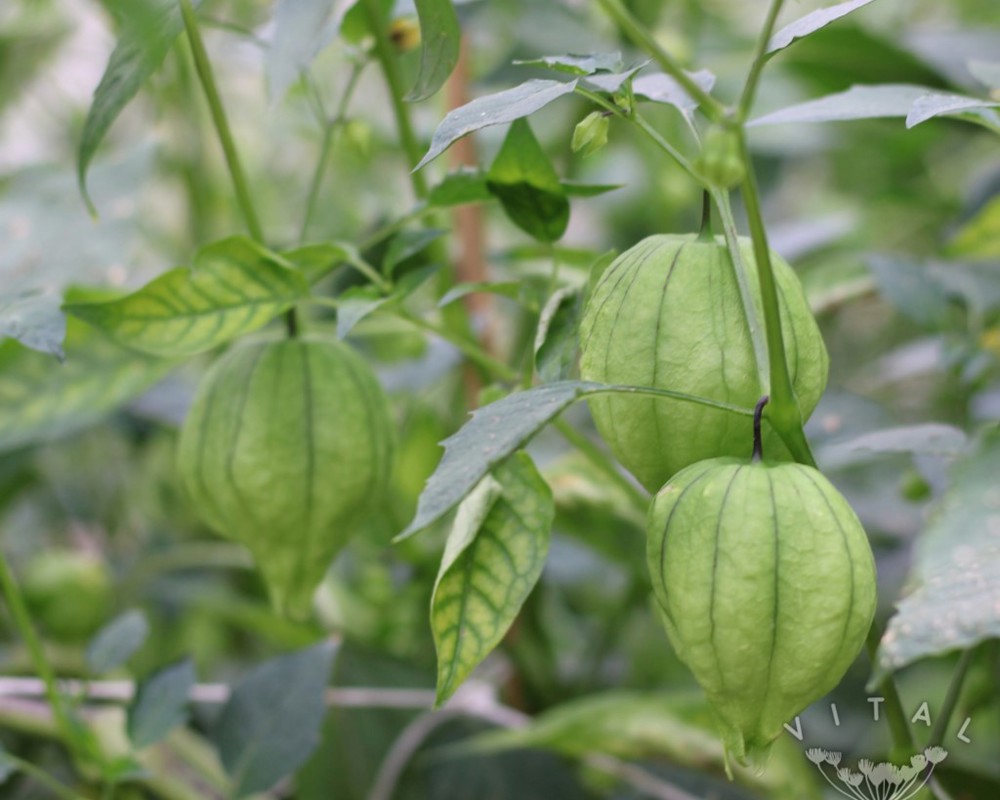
(660, 88)
(810, 23)
(440, 44)
(271, 724)
(494, 109)
(117, 642)
(493, 558)
(858, 102)
(526, 183)
(302, 28)
(160, 703)
(578, 65)
(954, 602)
(556, 336)
(234, 287)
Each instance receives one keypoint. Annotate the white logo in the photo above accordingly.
(883, 781)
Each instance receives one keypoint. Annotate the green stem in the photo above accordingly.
(783, 410)
(951, 698)
(387, 61)
(204, 68)
(902, 736)
(760, 58)
(22, 620)
(55, 787)
(712, 108)
(330, 127)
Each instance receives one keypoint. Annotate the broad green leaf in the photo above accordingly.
(674, 727)
(511, 289)
(810, 23)
(578, 65)
(858, 102)
(911, 290)
(149, 28)
(234, 287)
(930, 439)
(939, 104)
(407, 244)
(271, 724)
(160, 703)
(302, 28)
(493, 558)
(954, 597)
(556, 335)
(526, 183)
(117, 642)
(465, 185)
(575, 189)
(980, 236)
(660, 88)
(610, 83)
(34, 318)
(440, 42)
(316, 261)
(494, 109)
(42, 399)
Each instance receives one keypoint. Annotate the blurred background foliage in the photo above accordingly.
(894, 232)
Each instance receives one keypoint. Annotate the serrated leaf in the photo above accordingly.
(511, 289)
(811, 23)
(117, 642)
(494, 109)
(34, 318)
(149, 29)
(160, 703)
(407, 244)
(440, 43)
(858, 102)
(954, 602)
(493, 558)
(980, 236)
(556, 335)
(302, 28)
(465, 185)
(493, 433)
(526, 183)
(316, 261)
(660, 88)
(939, 104)
(234, 287)
(272, 721)
(42, 399)
(578, 64)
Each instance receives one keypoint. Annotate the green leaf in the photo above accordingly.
(160, 703)
(117, 642)
(493, 558)
(42, 400)
(944, 104)
(494, 109)
(526, 183)
(911, 289)
(810, 23)
(660, 88)
(574, 189)
(407, 244)
(465, 185)
(578, 65)
(674, 727)
(440, 42)
(494, 432)
(34, 318)
(354, 305)
(930, 439)
(511, 289)
(954, 602)
(271, 724)
(316, 261)
(302, 28)
(980, 236)
(610, 83)
(556, 336)
(149, 28)
(8, 765)
(234, 287)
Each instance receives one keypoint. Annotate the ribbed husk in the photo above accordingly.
(668, 313)
(286, 448)
(766, 583)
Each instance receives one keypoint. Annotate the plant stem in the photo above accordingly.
(712, 108)
(902, 736)
(951, 698)
(22, 621)
(387, 61)
(330, 127)
(55, 787)
(204, 68)
(760, 58)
